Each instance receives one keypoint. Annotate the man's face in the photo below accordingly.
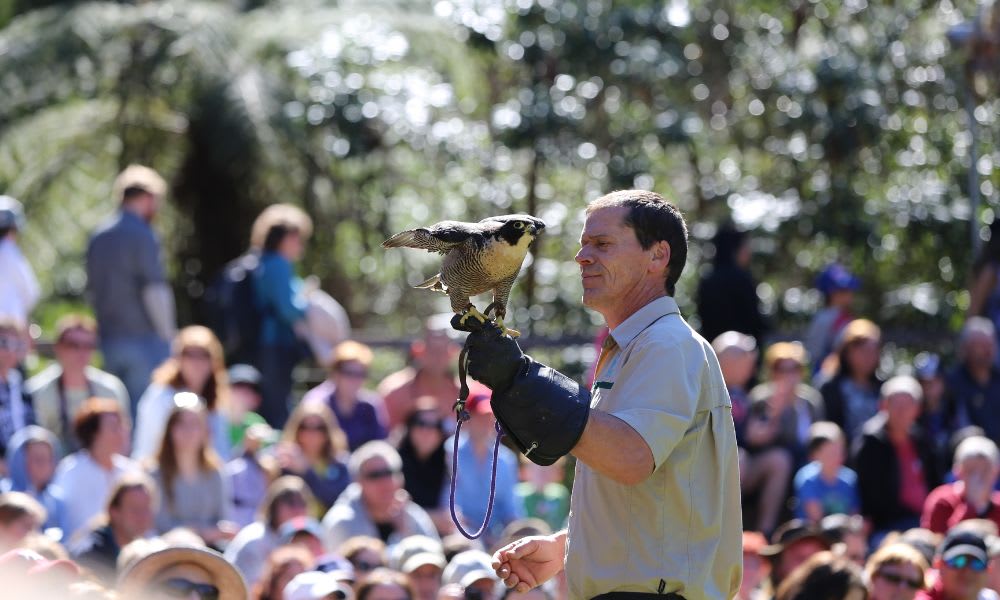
(980, 350)
(426, 581)
(112, 434)
(149, 205)
(961, 583)
(75, 349)
(133, 516)
(902, 410)
(977, 472)
(11, 347)
(613, 266)
(379, 483)
(896, 581)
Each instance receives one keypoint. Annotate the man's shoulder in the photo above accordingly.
(946, 493)
(105, 380)
(394, 382)
(43, 379)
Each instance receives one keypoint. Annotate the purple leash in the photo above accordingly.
(462, 416)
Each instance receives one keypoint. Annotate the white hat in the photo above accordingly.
(903, 384)
(415, 551)
(733, 340)
(315, 585)
(469, 567)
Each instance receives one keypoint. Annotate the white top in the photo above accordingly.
(19, 292)
(151, 416)
(87, 486)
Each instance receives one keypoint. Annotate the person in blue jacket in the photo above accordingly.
(33, 453)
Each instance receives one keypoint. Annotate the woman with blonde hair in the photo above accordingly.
(188, 474)
(314, 447)
(196, 365)
(895, 572)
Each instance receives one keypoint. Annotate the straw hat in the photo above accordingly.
(224, 575)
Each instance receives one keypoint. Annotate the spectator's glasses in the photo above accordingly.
(353, 373)
(182, 588)
(364, 566)
(894, 579)
(379, 474)
(196, 354)
(312, 426)
(12, 343)
(962, 561)
(427, 423)
(77, 344)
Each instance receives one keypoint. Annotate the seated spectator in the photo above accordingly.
(244, 399)
(848, 535)
(475, 469)
(425, 462)
(431, 373)
(825, 576)
(376, 505)
(988, 531)
(384, 584)
(776, 430)
(305, 532)
(286, 499)
(16, 410)
(247, 477)
(791, 545)
(60, 389)
(922, 540)
(934, 419)
(973, 496)
(895, 572)
(421, 559)
(188, 475)
(825, 486)
(314, 448)
(472, 570)
(317, 585)
(365, 553)
(737, 354)
(20, 514)
(973, 385)
(128, 517)
(755, 568)
(88, 476)
(196, 365)
(283, 565)
(358, 410)
(183, 572)
(851, 394)
(961, 563)
(895, 464)
(34, 453)
(542, 494)
(837, 285)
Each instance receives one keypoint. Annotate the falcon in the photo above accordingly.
(478, 257)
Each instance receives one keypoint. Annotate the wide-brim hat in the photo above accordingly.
(225, 576)
(793, 531)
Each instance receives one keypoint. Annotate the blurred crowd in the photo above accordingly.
(187, 467)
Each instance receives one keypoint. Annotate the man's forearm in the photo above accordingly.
(612, 448)
(158, 300)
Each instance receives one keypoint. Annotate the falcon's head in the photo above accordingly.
(513, 229)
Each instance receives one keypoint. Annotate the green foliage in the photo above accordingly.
(831, 129)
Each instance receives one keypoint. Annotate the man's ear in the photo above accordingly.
(660, 253)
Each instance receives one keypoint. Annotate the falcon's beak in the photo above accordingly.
(537, 228)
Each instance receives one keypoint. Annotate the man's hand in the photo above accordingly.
(531, 561)
(494, 358)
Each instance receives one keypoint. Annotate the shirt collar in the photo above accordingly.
(628, 329)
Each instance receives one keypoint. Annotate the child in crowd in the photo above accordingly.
(837, 285)
(825, 486)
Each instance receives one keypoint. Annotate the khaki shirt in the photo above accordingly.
(680, 530)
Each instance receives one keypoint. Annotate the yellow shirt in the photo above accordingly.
(680, 530)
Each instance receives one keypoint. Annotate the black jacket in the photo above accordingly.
(875, 461)
(99, 553)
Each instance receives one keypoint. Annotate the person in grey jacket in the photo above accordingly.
(376, 504)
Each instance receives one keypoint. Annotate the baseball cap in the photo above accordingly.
(313, 585)
(788, 533)
(244, 374)
(903, 384)
(469, 567)
(836, 277)
(733, 340)
(962, 542)
(11, 213)
(479, 400)
(926, 365)
(294, 526)
(415, 551)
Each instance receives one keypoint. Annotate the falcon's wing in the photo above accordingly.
(440, 237)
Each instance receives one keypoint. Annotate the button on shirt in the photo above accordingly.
(680, 530)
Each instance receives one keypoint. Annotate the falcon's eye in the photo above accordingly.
(518, 224)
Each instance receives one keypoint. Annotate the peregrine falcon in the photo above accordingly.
(479, 257)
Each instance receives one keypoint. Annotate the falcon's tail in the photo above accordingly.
(402, 239)
(434, 283)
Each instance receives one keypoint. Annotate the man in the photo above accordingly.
(421, 559)
(792, 544)
(16, 410)
(961, 562)
(432, 374)
(727, 295)
(972, 496)
(19, 292)
(973, 386)
(129, 517)
(60, 389)
(655, 508)
(127, 284)
(376, 505)
(896, 466)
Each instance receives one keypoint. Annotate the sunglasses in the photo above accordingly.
(196, 354)
(427, 424)
(183, 588)
(963, 561)
(913, 584)
(312, 427)
(380, 474)
(353, 373)
(365, 566)
(12, 344)
(78, 345)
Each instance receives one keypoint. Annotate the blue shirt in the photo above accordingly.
(838, 497)
(123, 257)
(279, 297)
(472, 491)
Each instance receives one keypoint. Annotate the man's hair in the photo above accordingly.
(653, 219)
(87, 422)
(281, 490)
(370, 450)
(822, 433)
(127, 483)
(14, 505)
(73, 322)
(137, 180)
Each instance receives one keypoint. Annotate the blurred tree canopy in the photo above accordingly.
(830, 129)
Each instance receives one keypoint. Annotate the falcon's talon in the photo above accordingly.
(472, 311)
(506, 330)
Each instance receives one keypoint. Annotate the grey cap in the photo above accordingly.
(11, 213)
